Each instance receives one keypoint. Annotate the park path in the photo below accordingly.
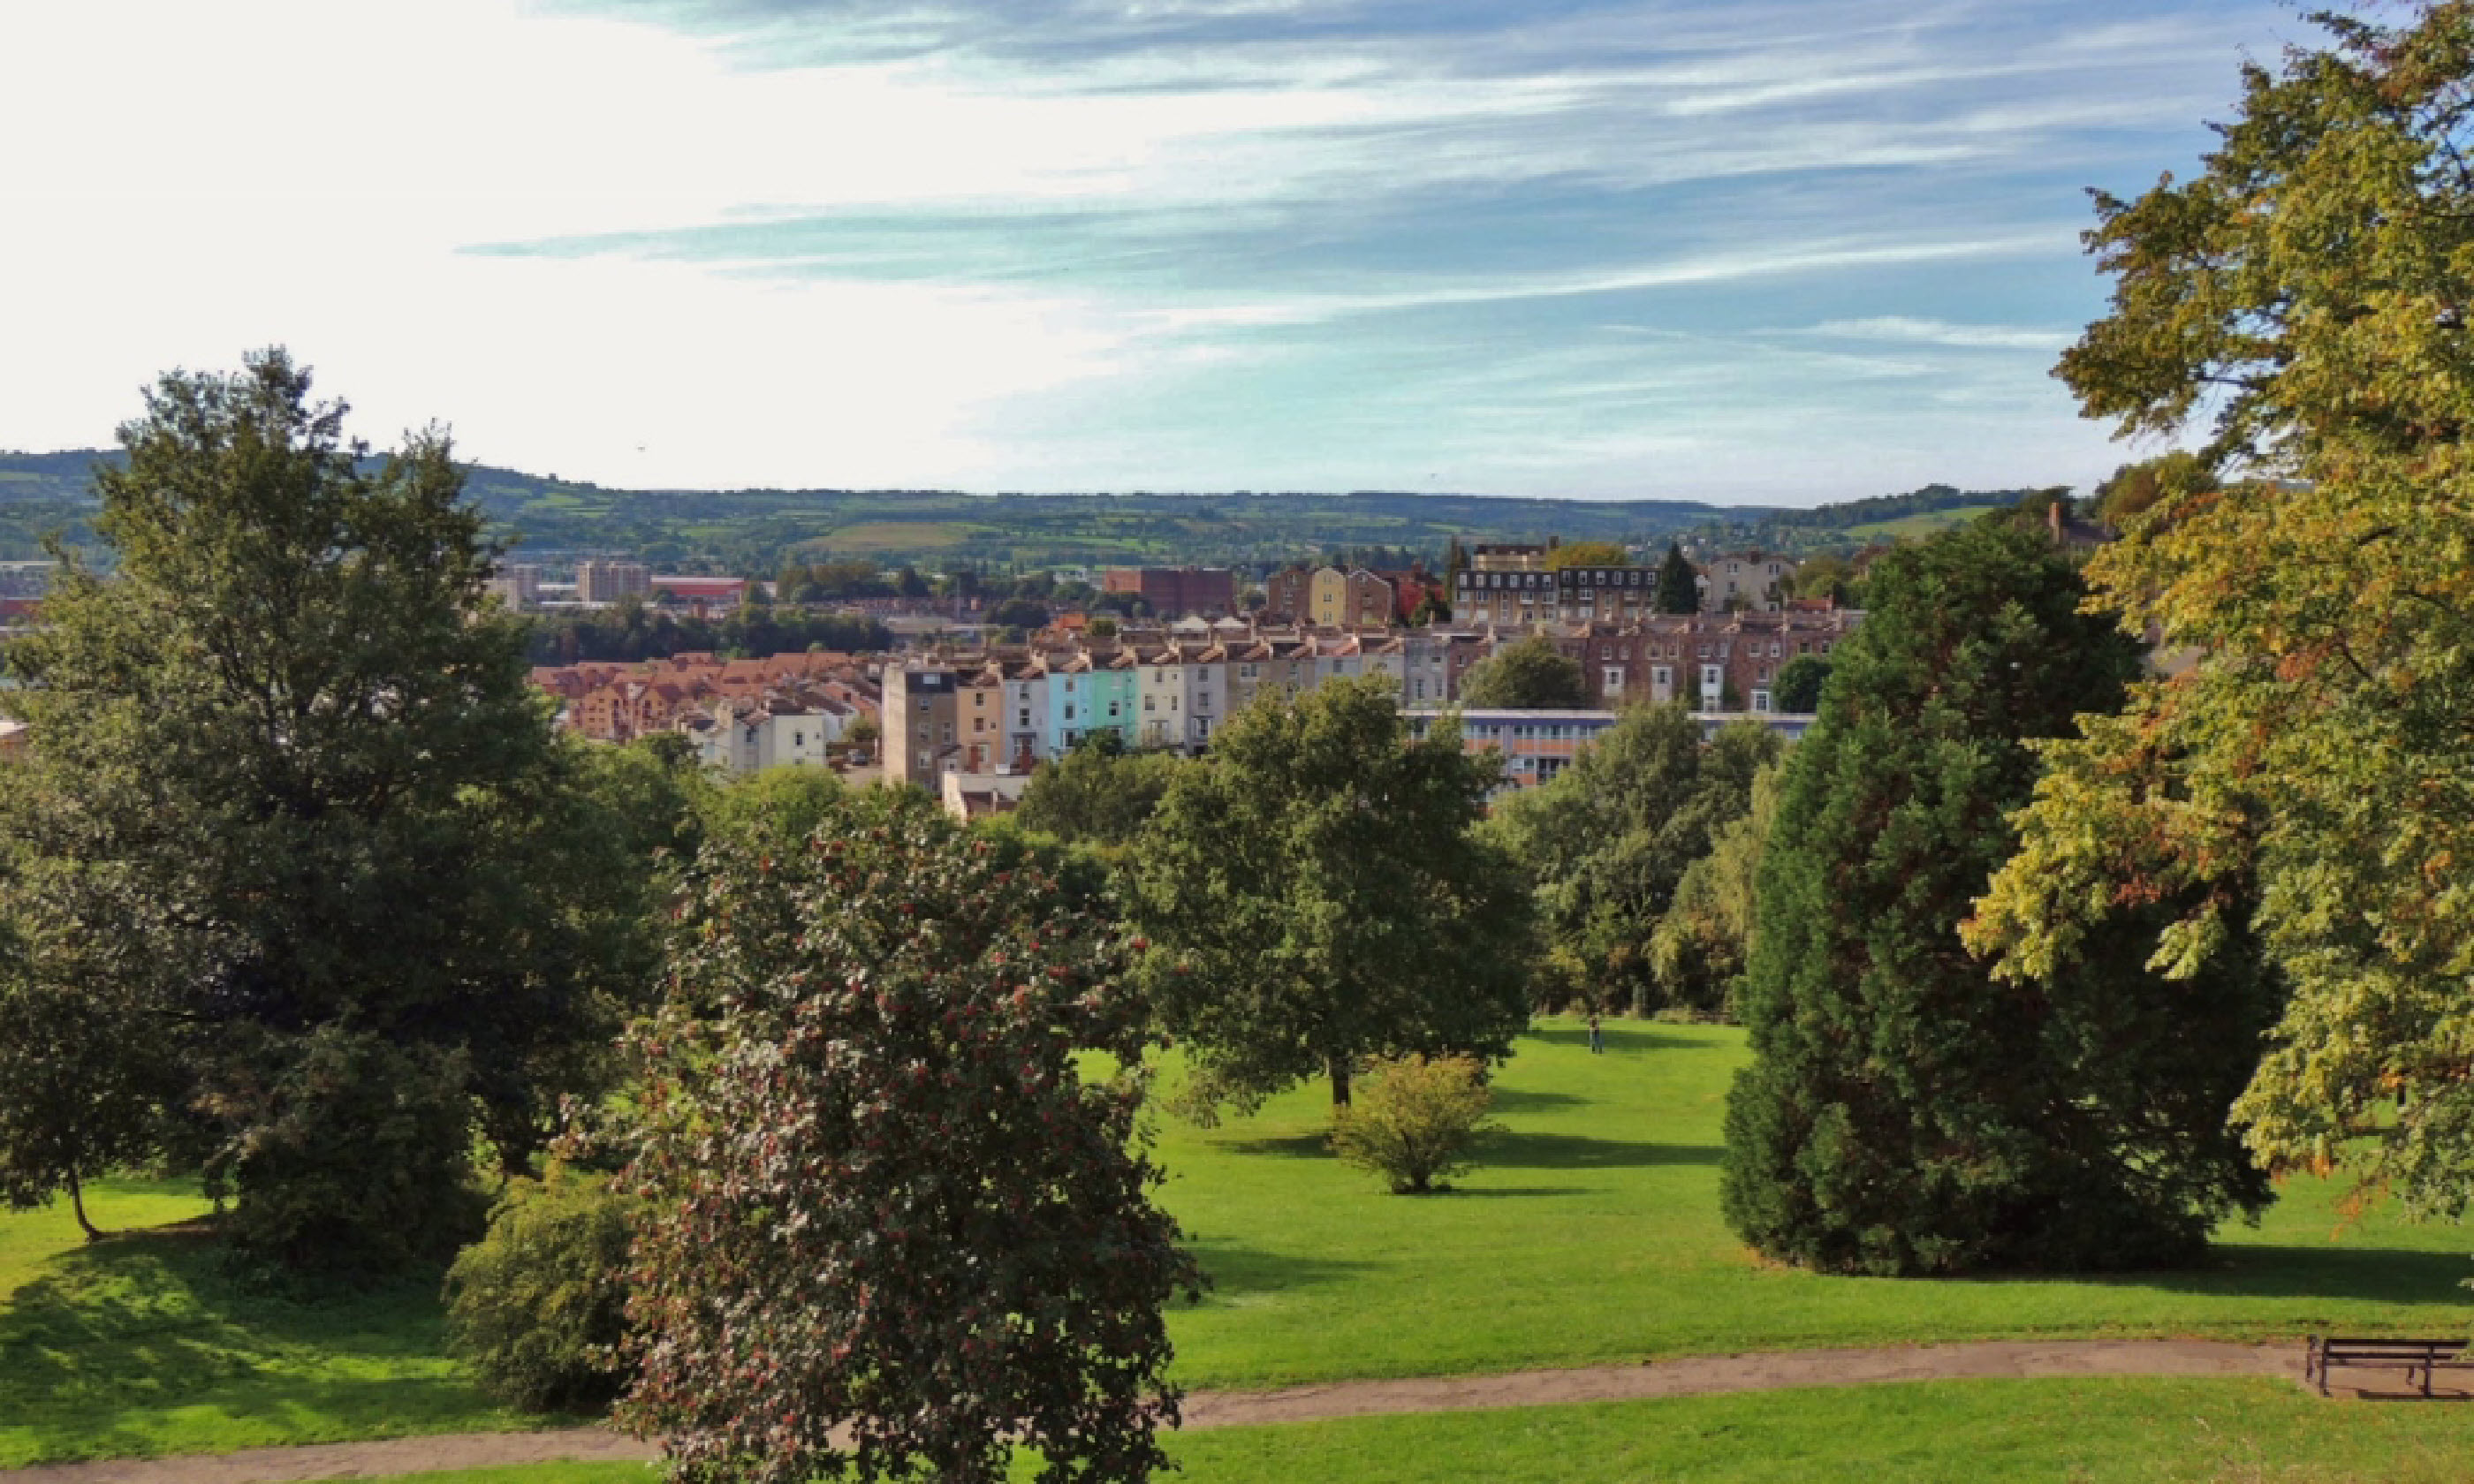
(1685, 1376)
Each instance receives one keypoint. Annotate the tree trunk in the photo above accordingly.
(77, 1204)
(1339, 1068)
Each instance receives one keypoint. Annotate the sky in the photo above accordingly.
(1779, 251)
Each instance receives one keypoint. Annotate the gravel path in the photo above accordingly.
(1688, 1376)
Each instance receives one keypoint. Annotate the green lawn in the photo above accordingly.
(1962, 1433)
(138, 1346)
(1591, 1235)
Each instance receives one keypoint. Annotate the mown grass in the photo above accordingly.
(2116, 1431)
(1590, 1234)
(138, 1345)
(1593, 1234)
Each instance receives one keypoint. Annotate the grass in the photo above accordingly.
(1590, 1234)
(1918, 526)
(882, 536)
(138, 1346)
(2245, 1431)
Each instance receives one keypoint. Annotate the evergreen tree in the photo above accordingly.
(1679, 585)
(1904, 1112)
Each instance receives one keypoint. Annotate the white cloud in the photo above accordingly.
(1909, 330)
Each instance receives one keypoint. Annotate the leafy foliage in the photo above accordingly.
(1703, 944)
(1529, 675)
(1569, 554)
(882, 1194)
(1315, 893)
(1098, 793)
(1798, 683)
(1605, 841)
(1416, 1121)
(293, 775)
(1904, 1112)
(2303, 303)
(538, 1306)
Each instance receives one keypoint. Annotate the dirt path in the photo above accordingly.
(1688, 1376)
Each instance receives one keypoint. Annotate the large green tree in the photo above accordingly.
(1314, 892)
(1098, 794)
(1529, 675)
(1906, 1113)
(2300, 307)
(895, 1227)
(1605, 841)
(292, 767)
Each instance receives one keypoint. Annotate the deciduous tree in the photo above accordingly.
(1315, 893)
(884, 1196)
(2302, 305)
(293, 763)
(1529, 675)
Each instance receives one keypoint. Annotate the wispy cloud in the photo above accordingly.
(1571, 246)
(1910, 330)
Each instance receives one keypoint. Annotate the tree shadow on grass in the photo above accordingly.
(1238, 1271)
(1622, 1039)
(1580, 1151)
(113, 1337)
(2384, 1275)
(1522, 1100)
(1315, 1145)
(1461, 1192)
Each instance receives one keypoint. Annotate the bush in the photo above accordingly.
(1414, 1121)
(538, 1306)
(351, 1157)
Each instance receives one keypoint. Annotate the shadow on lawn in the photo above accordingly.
(1522, 1100)
(1580, 1151)
(1622, 1038)
(2383, 1274)
(114, 1335)
(1238, 1271)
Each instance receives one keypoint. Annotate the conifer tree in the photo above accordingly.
(1679, 586)
(1906, 1113)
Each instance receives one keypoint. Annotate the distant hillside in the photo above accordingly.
(756, 531)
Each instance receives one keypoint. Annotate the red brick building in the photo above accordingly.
(1174, 590)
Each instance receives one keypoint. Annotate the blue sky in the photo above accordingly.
(1781, 251)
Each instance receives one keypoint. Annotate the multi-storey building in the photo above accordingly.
(517, 585)
(1174, 590)
(920, 722)
(608, 582)
(1746, 580)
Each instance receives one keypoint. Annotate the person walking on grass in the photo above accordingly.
(1597, 1034)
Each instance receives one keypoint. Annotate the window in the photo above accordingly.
(1069, 710)
(949, 732)
(798, 739)
(1149, 703)
(1761, 700)
(1660, 676)
(924, 705)
(1026, 717)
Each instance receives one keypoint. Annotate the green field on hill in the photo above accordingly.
(1592, 1235)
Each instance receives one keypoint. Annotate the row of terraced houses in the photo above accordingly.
(1004, 710)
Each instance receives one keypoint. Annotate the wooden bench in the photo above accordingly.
(2383, 1355)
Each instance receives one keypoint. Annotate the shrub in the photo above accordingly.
(350, 1153)
(537, 1307)
(1416, 1120)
